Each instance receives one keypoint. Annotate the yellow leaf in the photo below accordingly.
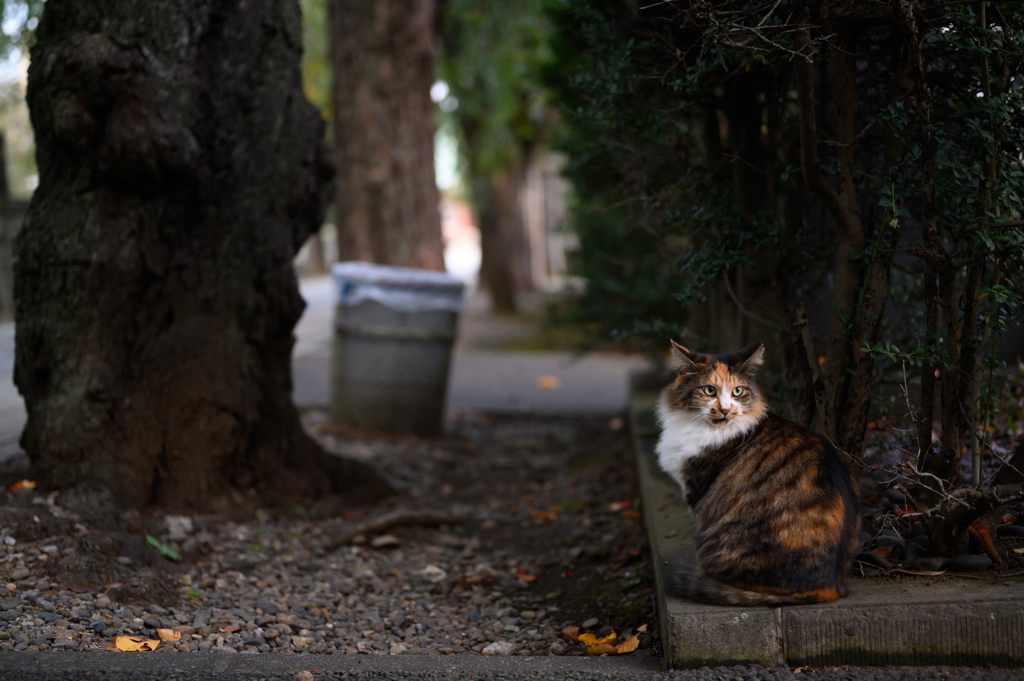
(548, 382)
(641, 629)
(601, 649)
(21, 485)
(169, 635)
(525, 576)
(134, 644)
(628, 646)
(591, 640)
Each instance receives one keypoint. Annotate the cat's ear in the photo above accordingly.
(682, 359)
(750, 358)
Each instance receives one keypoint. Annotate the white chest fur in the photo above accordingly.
(686, 434)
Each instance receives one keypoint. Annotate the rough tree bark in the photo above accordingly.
(180, 169)
(387, 200)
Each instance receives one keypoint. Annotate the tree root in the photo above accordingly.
(397, 518)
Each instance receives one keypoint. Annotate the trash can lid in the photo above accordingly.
(401, 288)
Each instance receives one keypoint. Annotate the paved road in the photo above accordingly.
(482, 377)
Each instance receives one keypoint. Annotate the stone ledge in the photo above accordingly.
(964, 622)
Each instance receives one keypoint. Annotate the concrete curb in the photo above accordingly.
(907, 623)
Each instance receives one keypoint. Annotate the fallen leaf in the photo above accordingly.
(978, 531)
(567, 573)
(548, 382)
(572, 633)
(628, 646)
(921, 573)
(1018, 550)
(591, 640)
(550, 514)
(632, 553)
(168, 635)
(230, 629)
(800, 670)
(641, 629)
(620, 505)
(632, 515)
(165, 551)
(601, 649)
(882, 551)
(21, 485)
(525, 576)
(132, 644)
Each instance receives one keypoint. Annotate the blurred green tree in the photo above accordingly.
(841, 179)
(493, 53)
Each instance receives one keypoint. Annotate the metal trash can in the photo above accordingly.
(394, 328)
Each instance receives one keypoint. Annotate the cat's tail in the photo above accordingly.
(685, 580)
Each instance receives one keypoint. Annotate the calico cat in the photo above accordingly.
(777, 518)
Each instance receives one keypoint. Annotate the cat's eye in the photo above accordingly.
(708, 390)
(737, 391)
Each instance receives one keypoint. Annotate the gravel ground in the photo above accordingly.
(541, 534)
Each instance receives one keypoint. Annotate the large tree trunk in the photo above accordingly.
(180, 169)
(387, 200)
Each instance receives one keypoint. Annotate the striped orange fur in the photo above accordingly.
(776, 515)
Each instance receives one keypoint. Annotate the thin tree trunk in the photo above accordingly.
(926, 415)
(180, 170)
(386, 199)
(501, 234)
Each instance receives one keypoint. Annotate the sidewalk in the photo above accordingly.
(483, 377)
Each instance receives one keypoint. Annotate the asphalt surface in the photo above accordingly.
(211, 665)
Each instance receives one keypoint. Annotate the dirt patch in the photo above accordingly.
(545, 532)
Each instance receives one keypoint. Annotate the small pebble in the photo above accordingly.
(894, 496)
(873, 559)
(499, 648)
(913, 552)
(1010, 531)
(385, 541)
(921, 540)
